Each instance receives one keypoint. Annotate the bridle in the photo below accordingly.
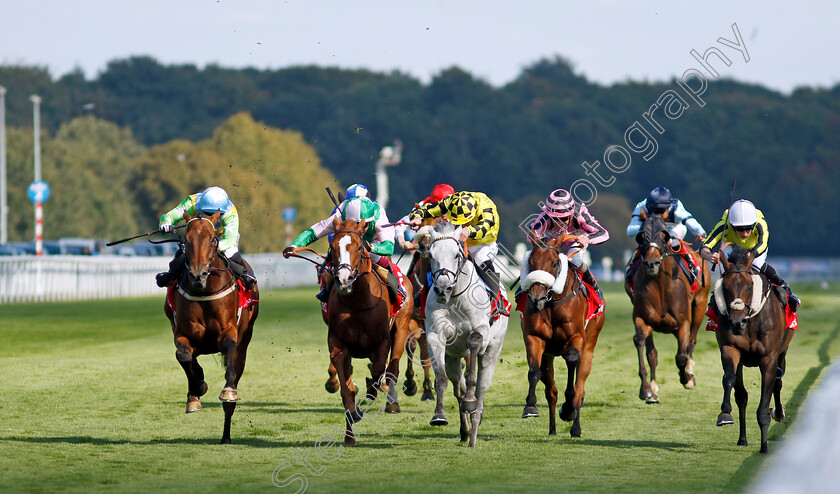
(354, 272)
(215, 248)
(461, 260)
(550, 295)
(742, 305)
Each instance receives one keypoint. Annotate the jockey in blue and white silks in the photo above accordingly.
(679, 221)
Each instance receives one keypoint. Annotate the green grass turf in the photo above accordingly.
(93, 400)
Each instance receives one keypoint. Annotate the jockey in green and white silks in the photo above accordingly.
(207, 203)
(379, 233)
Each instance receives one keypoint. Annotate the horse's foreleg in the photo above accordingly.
(730, 358)
(768, 367)
(741, 398)
(229, 351)
(643, 331)
(185, 354)
(534, 349)
(341, 361)
(470, 402)
(568, 412)
(437, 350)
(428, 395)
(684, 362)
(410, 386)
(547, 377)
(584, 368)
(332, 385)
(455, 375)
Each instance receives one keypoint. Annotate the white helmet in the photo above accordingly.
(743, 213)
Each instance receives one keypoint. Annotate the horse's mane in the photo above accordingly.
(445, 228)
(739, 255)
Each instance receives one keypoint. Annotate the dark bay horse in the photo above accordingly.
(553, 324)
(206, 320)
(752, 332)
(663, 302)
(360, 325)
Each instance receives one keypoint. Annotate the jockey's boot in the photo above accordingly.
(780, 286)
(678, 249)
(628, 271)
(587, 276)
(175, 266)
(326, 287)
(394, 288)
(242, 271)
(490, 276)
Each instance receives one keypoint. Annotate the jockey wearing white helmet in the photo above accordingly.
(206, 203)
(379, 233)
(743, 225)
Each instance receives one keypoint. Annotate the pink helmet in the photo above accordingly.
(559, 204)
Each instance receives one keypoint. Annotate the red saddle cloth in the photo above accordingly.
(683, 264)
(791, 321)
(594, 303)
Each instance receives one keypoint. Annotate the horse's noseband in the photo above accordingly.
(354, 272)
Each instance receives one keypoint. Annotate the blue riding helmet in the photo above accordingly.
(356, 190)
(659, 199)
(213, 199)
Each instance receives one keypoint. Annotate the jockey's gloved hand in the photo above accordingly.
(368, 246)
(288, 251)
(167, 228)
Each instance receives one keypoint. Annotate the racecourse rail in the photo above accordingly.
(55, 278)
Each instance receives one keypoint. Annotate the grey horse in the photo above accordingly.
(458, 328)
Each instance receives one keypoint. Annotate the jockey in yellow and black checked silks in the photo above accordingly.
(473, 209)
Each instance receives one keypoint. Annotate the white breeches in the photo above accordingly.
(482, 253)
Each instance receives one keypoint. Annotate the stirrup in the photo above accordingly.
(162, 279)
(323, 296)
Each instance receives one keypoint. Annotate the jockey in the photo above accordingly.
(561, 215)
(380, 233)
(678, 220)
(207, 203)
(355, 190)
(744, 225)
(481, 219)
(439, 193)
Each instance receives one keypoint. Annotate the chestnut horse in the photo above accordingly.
(553, 324)
(206, 320)
(663, 302)
(752, 331)
(359, 322)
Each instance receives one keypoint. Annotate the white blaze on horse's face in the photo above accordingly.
(445, 253)
(344, 272)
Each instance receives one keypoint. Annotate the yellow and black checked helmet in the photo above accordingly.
(462, 208)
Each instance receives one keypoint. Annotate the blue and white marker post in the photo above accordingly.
(38, 190)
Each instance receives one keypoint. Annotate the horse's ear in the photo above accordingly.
(640, 238)
(215, 217)
(666, 236)
(336, 222)
(362, 226)
(533, 237)
(750, 257)
(724, 259)
(187, 216)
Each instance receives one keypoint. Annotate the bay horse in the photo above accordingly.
(752, 332)
(663, 301)
(459, 329)
(553, 324)
(205, 317)
(360, 325)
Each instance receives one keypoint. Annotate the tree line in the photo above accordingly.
(516, 143)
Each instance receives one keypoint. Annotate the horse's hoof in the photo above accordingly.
(690, 384)
(331, 386)
(354, 416)
(392, 407)
(469, 406)
(229, 395)
(193, 404)
(349, 440)
(567, 413)
(530, 411)
(439, 420)
(725, 419)
(652, 399)
(225, 440)
(410, 388)
(428, 395)
(645, 395)
(780, 417)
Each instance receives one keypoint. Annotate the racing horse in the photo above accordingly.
(361, 325)
(459, 328)
(206, 317)
(752, 331)
(663, 301)
(554, 324)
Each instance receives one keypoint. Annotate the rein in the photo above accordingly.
(355, 274)
(225, 289)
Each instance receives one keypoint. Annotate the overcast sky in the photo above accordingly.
(789, 43)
